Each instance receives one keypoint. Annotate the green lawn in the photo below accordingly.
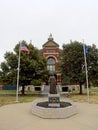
(13, 92)
(93, 96)
(10, 92)
(6, 99)
(9, 96)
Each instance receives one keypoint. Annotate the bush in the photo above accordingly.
(36, 82)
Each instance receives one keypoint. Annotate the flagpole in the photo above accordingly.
(18, 69)
(86, 72)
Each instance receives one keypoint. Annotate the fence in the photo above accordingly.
(9, 87)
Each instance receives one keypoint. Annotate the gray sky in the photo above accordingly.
(36, 19)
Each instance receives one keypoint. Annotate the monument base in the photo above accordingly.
(54, 100)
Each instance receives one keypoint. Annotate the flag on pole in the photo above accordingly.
(85, 49)
(24, 48)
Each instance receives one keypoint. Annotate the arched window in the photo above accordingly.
(50, 61)
(51, 64)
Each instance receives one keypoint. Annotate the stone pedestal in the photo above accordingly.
(54, 100)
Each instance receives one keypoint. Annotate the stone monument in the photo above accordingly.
(53, 108)
(53, 97)
(52, 82)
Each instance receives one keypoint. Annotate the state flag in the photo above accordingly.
(85, 49)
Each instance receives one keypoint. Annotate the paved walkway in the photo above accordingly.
(19, 117)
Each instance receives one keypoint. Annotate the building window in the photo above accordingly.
(50, 61)
(51, 67)
(51, 64)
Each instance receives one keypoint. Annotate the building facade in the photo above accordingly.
(51, 52)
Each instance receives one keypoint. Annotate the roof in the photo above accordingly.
(50, 42)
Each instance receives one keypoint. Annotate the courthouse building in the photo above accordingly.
(51, 52)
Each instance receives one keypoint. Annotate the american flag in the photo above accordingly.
(24, 48)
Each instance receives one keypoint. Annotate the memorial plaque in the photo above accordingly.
(54, 100)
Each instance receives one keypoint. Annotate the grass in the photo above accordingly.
(93, 96)
(7, 99)
(13, 92)
(9, 96)
(2, 92)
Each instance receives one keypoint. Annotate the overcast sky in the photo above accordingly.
(36, 19)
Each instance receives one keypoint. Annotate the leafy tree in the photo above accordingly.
(9, 68)
(93, 65)
(30, 66)
(72, 64)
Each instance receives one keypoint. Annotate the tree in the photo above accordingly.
(9, 68)
(93, 65)
(30, 66)
(72, 64)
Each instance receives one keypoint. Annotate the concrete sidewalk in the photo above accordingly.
(19, 117)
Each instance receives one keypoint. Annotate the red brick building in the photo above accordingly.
(52, 52)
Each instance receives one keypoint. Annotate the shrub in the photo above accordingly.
(36, 82)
